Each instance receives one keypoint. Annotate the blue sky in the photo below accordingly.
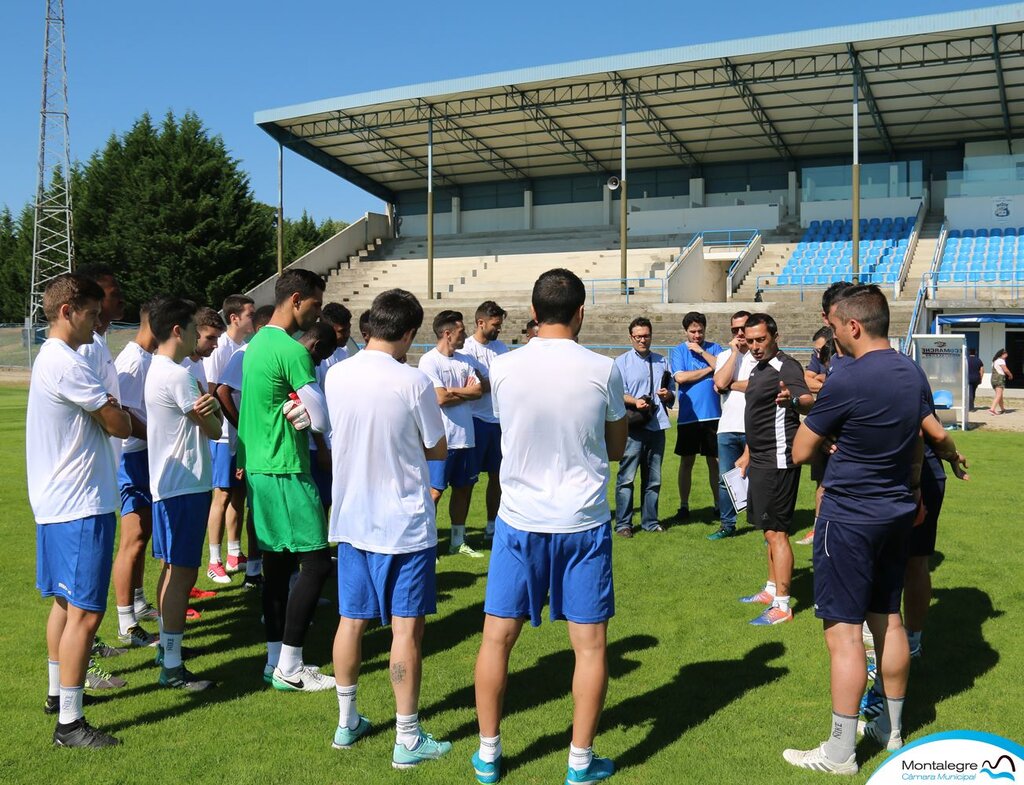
(226, 59)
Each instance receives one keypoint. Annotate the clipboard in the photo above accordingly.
(736, 485)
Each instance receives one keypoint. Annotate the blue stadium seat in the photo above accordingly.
(968, 233)
(953, 233)
(943, 399)
(982, 233)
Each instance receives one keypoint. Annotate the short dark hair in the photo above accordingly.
(150, 305)
(972, 351)
(531, 324)
(234, 305)
(641, 321)
(489, 309)
(322, 332)
(446, 320)
(695, 316)
(557, 295)
(170, 313)
(830, 295)
(867, 304)
(823, 333)
(96, 271)
(364, 321)
(740, 315)
(757, 319)
(393, 314)
(297, 280)
(261, 316)
(207, 317)
(336, 314)
(72, 289)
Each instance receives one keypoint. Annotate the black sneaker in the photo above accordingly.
(683, 514)
(253, 582)
(81, 734)
(182, 678)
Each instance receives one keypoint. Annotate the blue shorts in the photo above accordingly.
(321, 479)
(487, 452)
(573, 570)
(179, 529)
(382, 585)
(133, 481)
(457, 470)
(74, 558)
(859, 568)
(223, 466)
(922, 538)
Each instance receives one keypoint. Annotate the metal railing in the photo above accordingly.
(743, 264)
(625, 287)
(911, 249)
(738, 238)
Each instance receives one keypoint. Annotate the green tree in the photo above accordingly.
(15, 263)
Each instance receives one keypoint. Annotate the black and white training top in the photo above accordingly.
(770, 429)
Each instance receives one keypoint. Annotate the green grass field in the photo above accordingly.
(696, 695)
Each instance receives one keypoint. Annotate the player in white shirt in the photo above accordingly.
(320, 341)
(552, 539)
(383, 517)
(732, 369)
(132, 364)
(209, 328)
(458, 383)
(483, 346)
(72, 488)
(229, 395)
(181, 419)
(228, 490)
(111, 310)
(340, 319)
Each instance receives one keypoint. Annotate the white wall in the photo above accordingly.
(561, 216)
(696, 278)
(498, 219)
(699, 219)
(979, 212)
(892, 207)
(416, 225)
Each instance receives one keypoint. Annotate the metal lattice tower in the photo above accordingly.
(52, 247)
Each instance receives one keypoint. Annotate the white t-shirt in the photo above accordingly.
(484, 354)
(553, 398)
(198, 371)
(341, 353)
(179, 452)
(452, 372)
(381, 483)
(132, 366)
(734, 402)
(98, 356)
(999, 366)
(214, 365)
(232, 377)
(70, 459)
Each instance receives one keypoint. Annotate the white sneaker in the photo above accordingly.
(891, 740)
(465, 550)
(867, 637)
(816, 760)
(305, 679)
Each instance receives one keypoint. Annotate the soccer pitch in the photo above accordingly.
(696, 694)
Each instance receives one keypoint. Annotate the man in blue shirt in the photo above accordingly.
(869, 507)
(693, 365)
(643, 373)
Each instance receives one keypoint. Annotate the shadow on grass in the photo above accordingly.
(956, 653)
(549, 679)
(659, 717)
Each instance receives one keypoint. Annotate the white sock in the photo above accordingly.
(490, 531)
(125, 618)
(273, 653)
(458, 535)
(234, 548)
(770, 587)
(782, 603)
(53, 673)
(407, 730)
(348, 717)
(580, 757)
(171, 642)
(214, 553)
(490, 748)
(843, 739)
(70, 704)
(140, 600)
(290, 660)
(253, 567)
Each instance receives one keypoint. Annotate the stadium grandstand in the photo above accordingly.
(730, 164)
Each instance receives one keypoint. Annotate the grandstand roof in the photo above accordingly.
(929, 80)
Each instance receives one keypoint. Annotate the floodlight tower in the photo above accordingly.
(52, 248)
